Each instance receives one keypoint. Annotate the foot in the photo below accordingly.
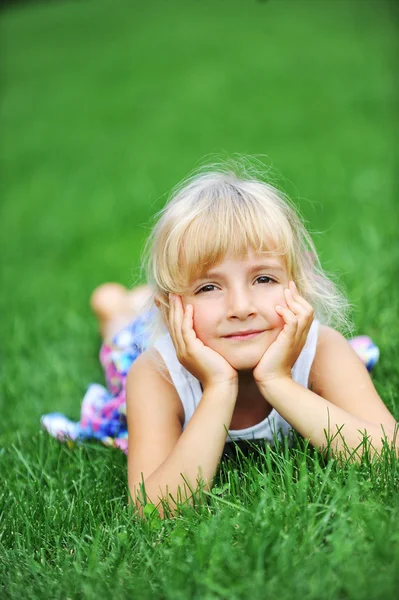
(115, 306)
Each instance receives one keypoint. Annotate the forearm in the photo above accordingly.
(198, 451)
(320, 421)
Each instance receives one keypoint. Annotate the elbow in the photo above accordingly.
(387, 443)
(148, 512)
(143, 508)
(154, 513)
(142, 505)
(392, 433)
(146, 509)
(166, 506)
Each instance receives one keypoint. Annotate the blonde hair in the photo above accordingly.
(227, 208)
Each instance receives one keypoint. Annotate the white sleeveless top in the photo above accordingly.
(190, 392)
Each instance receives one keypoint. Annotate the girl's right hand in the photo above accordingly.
(201, 361)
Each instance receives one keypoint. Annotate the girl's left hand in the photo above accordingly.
(280, 357)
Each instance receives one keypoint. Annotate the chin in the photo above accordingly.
(245, 361)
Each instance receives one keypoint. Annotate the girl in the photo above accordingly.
(240, 344)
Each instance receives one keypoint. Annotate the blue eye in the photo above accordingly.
(269, 279)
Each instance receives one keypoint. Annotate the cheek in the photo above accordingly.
(278, 297)
(203, 323)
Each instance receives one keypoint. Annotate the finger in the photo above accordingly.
(187, 329)
(292, 327)
(179, 315)
(305, 313)
(175, 322)
(304, 317)
(291, 320)
(293, 305)
(307, 316)
(171, 318)
(298, 298)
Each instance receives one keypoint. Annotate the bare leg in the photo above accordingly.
(115, 306)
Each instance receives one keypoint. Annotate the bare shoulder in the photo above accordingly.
(154, 416)
(334, 357)
(340, 376)
(148, 382)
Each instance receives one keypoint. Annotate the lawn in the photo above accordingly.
(104, 107)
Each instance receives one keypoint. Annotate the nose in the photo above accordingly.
(240, 304)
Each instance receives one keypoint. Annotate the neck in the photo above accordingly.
(248, 392)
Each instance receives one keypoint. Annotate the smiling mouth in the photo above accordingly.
(244, 336)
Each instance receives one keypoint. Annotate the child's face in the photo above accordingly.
(237, 296)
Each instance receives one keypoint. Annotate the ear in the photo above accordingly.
(161, 302)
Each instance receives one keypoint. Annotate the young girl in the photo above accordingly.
(240, 343)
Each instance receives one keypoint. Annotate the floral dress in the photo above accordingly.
(103, 411)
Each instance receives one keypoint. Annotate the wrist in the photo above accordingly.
(225, 386)
(274, 382)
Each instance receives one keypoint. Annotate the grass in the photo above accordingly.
(104, 108)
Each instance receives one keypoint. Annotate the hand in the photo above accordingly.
(204, 363)
(280, 357)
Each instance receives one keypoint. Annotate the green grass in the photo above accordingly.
(104, 108)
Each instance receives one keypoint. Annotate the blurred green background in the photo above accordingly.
(105, 106)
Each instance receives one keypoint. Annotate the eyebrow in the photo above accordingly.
(258, 267)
